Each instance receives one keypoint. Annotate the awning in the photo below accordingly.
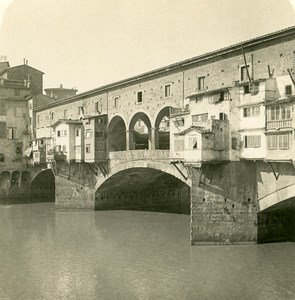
(28, 152)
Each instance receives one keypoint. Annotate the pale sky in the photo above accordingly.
(88, 43)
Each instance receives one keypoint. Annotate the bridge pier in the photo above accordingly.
(70, 195)
(224, 204)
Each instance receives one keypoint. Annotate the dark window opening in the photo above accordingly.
(167, 90)
(247, 89)
(201, 83)
(139, 97)
(288, 90)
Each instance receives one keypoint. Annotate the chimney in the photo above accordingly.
(24, 61)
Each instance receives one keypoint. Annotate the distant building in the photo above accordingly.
(31, 77)
(20, 92)
(60, 93)
(14, 116)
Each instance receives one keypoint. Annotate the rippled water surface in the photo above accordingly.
(130, 255)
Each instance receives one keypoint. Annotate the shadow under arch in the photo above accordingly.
(146, 188)
(276, 217)
(162, 129)
(43, 187)
(117, 134)
(140, 132)
(4, 186)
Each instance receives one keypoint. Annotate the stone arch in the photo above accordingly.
(162, 129)
(117, 134)
(142, 185)
(15, 178)
(43, 187)
(141, 137)
(4, 184)
(25, 178)
(277, 197)
(276, 216)
(161, 166)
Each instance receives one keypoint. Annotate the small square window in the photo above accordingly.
(201, 83)
(116, 101)
(288, 90)
(244, 73)
(139, 97)
(80, 110)
(167, 90)
(98, 107)
(247, 89)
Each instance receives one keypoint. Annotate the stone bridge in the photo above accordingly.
(229, 203)
(26, 184)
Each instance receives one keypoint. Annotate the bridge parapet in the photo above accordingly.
(125, 156)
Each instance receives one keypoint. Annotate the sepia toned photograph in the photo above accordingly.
(147, 149)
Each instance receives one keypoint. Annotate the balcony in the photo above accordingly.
(278, 124)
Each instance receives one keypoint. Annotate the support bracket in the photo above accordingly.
(102, 169)
(291, 76)
(174, 163)
(274, 172)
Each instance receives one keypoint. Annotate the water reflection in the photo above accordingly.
(130, 255)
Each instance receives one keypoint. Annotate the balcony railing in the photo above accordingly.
(278, 124)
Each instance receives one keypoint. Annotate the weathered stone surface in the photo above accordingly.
(224, 204)
(70, 195)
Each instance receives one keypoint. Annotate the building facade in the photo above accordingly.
(246, 90)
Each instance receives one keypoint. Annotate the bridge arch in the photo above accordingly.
(117, 134)
(277, 198)
(144, 185)
(43, 186)
(162, 129)
(140, 132)
(276, 216)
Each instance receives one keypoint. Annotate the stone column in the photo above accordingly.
(157, 137)
(152, 139)
(127, 141)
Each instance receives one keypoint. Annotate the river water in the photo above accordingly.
(130, 255)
